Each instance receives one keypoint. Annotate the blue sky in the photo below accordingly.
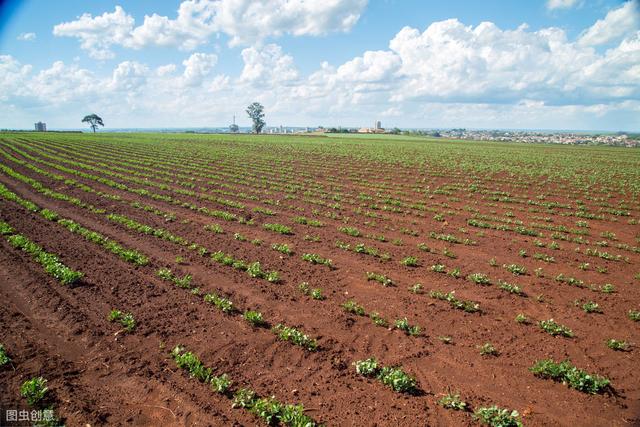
(553, 64)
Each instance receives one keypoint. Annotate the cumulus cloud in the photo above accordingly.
(27, 37)
(98, 34)
(447, 74)
(246, 22)
(451, 61)
(561, 4)
(267, 66)
(618, 23)
(197, 67)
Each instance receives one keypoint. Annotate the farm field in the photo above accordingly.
(176, 279)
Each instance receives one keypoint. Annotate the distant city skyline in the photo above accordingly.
(555, 64)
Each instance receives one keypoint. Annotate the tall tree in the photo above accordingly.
(94, 120)
(256, 114)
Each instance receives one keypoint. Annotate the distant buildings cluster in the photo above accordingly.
(566, 138)
(40, 127)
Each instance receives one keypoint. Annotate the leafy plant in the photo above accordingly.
(34, 390)
(283, 248)
(278, 228)
(397, 379)
(367, 367)
(468, 306)
(191, 363)
(380, 278)
(511, 288)
(487, 349)
(553, 328)
(295, 336)
(350, 306)
(255, 318)
(51, 263)
(403, 325)
(378, 320)
(410, 261)
(568, 374)
(4, 357)
(223, 304)
(617, 345)
(522, 319)
(479, 279)
(351, 231)
(453, 401)
(220, 384)
(634, 315)
(515, 269)
(497, 417)
(317, 259)
(126, 319)
(591, 307)
(416, 289)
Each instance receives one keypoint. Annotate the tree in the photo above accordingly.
(256, 114)
(94, 120)
(233, 128)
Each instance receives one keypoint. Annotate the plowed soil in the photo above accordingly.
(99, 375)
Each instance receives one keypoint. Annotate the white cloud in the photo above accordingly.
(451, 61)
(197, 67)
(447, 74)
(246, 22)
(618, 23)
(27, 37)
(98, 34)
(129, 76)
(561, 4)
(267, 66)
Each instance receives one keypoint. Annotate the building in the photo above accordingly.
(378, 125)
(41, 127)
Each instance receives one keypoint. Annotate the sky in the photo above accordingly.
(535, 64)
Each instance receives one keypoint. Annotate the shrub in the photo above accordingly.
(568, 374)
